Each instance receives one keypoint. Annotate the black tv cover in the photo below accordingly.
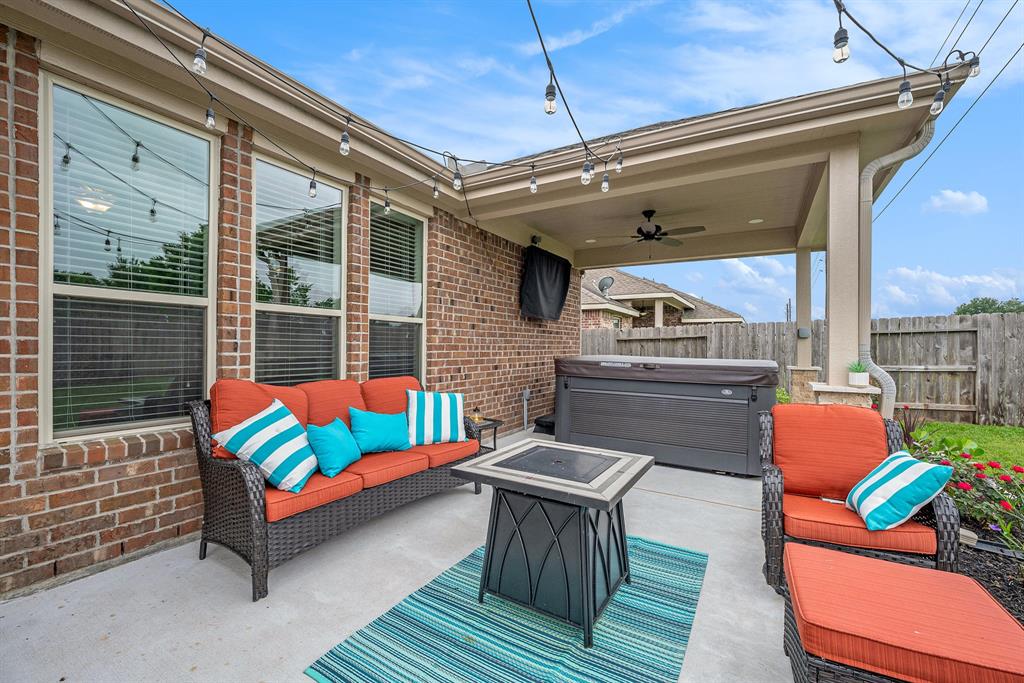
(545, 284)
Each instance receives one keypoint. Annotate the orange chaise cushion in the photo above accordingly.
(443, 453)
(331, 398)
(235, 400)
(387, 394)
(814, 519)
(317, 491)
(910, 623)
(824, 450)
(380, 468)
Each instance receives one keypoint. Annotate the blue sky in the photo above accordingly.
(468, 77)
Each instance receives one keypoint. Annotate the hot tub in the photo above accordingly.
(691, 412)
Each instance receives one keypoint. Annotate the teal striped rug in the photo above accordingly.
(441, 633)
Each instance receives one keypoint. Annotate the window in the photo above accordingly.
(396, 293)
(130, 216)
(298, 277)
(616, 322)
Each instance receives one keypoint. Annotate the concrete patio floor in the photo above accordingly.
(170, 617)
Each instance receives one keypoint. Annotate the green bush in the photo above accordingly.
(781, 395)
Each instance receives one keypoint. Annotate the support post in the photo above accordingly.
(842, 271)
(803, 305)
(659, 313)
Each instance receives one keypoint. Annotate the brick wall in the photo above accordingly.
(477, 343)
(591, 319)
(66, 509)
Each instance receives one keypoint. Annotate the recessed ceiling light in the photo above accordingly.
(590, 241)
(755, 221)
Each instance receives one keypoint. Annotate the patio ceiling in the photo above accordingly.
(766, 162)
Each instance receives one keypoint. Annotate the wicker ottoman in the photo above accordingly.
(854, 618)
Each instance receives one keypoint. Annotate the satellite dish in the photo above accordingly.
(605, 284)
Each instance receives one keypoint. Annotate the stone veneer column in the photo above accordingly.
(235, 255)
(357, 279)
(800, 379)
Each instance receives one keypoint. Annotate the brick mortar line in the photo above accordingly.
(12, 37)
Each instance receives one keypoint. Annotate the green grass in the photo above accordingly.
(69, 402)
(1005, 444)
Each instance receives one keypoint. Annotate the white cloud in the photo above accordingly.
(577, 36)
(744, 277)
(750, 308)
(774, 266)
(956, 201)
(919, 291)
(695, 276)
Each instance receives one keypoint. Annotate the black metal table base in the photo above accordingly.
(563, 560)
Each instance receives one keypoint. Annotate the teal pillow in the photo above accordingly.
(378, 432)
(894, 491)
(334, 446)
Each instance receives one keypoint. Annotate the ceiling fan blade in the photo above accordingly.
(689, 230)
(670, 240)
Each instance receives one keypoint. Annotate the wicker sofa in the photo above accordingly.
(266, 526)
(811, 452)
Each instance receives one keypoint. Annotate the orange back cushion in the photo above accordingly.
(387, 394)
(331, 398)
(824, 450)
(234, 400)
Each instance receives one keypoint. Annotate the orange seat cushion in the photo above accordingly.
(825, 450)
(317, 491)
(910, 623)
(331, 398)
(380, 468)
(814, 519)
(233, 401)
(387, 394)
(443, 453)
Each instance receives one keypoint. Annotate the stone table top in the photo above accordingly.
(577, 475)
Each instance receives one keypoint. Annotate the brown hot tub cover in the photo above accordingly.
(689, 370)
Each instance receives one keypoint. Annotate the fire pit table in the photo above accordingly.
(556, 540)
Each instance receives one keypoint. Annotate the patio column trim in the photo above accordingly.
(842, 271)
(659, 312)
(803, 305)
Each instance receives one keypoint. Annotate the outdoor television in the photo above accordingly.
(545, 284)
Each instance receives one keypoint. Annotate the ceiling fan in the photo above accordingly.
(648, 231)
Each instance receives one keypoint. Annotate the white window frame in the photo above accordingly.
(48, 289)
(342, 241)
(378, 199)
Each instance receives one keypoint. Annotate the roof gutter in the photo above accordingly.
(867, 198)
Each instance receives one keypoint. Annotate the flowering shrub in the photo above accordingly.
(984, 490)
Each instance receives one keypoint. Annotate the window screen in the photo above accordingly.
(121, 362)
(293, 348)
(394, 348)
(130, 212)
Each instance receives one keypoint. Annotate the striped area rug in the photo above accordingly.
(441, 633)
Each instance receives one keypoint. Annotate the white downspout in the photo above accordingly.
(867, 192)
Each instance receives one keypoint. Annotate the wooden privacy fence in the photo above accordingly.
(961, 368)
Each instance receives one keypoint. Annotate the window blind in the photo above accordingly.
(119, 225)
(394, 349)
(396, 263)
(293, 348)
(298, 239)
(120, 362)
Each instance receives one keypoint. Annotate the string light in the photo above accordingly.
(605, 185)
(152, 212)
(211, 116)
(457, 180)
(940, 97)
(199, 62)
(56, 224)
(550, 104)
(387, 202)
(65, 161)
(975, 66)
(533, 180)
(906, 97)
(312, 185)
(841, 41)
(436, 192)
(118, 246)
(588, 173)
(618, 162)
(135, 156)
(345, 147)
(106, 242)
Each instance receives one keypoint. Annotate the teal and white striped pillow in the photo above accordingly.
(895, 490)
(434, 417)
(275, 441)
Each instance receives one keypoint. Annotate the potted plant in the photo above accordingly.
(858, 374)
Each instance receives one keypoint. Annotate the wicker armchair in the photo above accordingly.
(234, 505)
(941, 514)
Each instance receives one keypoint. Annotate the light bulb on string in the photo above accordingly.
(56, 224)
(387, 202)
(345, 145)
(587, 175)
(118, 246)
(940, 98)
(975, 65)
(211, 116)
(457, 181)
(533, 180)
(436, 192)
(312, 185)
(550, 103)
(135, 157)
(906, 97)
(605, 185)
(841, 41)
(152, 212)
(618, 162)
(65, 161)
(199, 61)
(106, 242)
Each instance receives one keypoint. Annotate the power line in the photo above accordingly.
(951, 29)
(969, 20)
(991, 35)
(950, 132)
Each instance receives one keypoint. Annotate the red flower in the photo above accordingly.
(966, 456)
(964, 486)
(945, 462)
(874, 406)
(1006, 505)
(981, 475)
(1005, 477)
(1018, 468)
(994, 465)
(906, 407)
(979, 465)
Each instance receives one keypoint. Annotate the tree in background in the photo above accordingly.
(986, 304)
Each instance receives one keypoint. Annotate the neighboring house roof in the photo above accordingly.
(628, 287)
(591, 299)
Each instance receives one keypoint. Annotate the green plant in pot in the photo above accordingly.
(858, 374)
